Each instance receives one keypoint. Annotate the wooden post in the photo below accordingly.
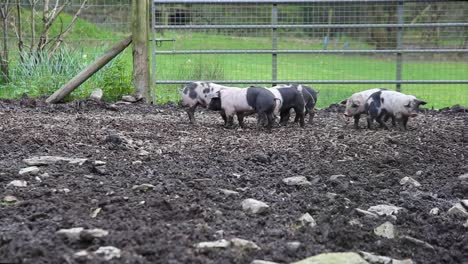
(89, 71)
(140, 32)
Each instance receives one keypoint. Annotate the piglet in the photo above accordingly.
(390, 103)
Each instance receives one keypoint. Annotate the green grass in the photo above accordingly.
(87, 41)
(304, 66)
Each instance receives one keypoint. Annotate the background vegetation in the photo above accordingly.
(97, 28)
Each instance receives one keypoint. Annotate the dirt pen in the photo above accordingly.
(160, 186)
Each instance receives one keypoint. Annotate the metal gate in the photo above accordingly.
(328, 42)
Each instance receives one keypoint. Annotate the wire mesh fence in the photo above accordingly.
(48, 42)
(420, 47)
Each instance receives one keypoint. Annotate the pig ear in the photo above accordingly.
(420, 102)
(344, 101)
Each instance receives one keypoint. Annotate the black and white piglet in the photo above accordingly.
(242, 102)
(199, 94)
(390, 103)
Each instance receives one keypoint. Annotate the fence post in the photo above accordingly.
(140, 32)
(274, 63)
(399, 58)
(153, 51)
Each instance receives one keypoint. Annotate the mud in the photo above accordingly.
(189, 164)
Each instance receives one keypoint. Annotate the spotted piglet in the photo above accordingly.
(199, 94)
(242, 102)
(390, 103)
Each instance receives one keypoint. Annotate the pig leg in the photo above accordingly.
(190, 112)
(271, 120)
(388, 117)
(381, 122)
(261, 119)
(230, 122)
(300, 114)
(223, 115)
(284, 117)
(404, 121)
(240, 118)
(356, 121)
(311, 115)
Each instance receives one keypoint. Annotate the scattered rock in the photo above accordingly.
(409, 181)
(418, 241)
(228, 192)
(434, 211)
(71, 233)
(254, 206)
(143, 153)
(122, 103)
(33, 170)
(258, 261)
(64, 190)
(375, 259)
(83, 255)
(293, 246)
(99, 163)
(137, 162)
(10, 199)
(296, 181)
(464, 203)
(366, 213)
(459, 210)
(463, 177)
(331, 195)
(336, 177)
(38, 179)
(242, 243)
(47, 160)
(419, 173)
(102, 170)
(79, 233)
(384, 209)
(307, 220)
(143, 187)
(355, 222)
(222, 243)
(95, 212)
(466, 223)
(129, 98)
(334, 258)
(18, 183)
(386, 230)
(108, 252)
(96, 95)
(90, 234)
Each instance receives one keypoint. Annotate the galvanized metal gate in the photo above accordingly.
(275, 20)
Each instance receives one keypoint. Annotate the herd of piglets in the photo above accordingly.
(278, 101)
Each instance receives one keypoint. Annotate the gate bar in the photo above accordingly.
(321, 81)
(267, 51)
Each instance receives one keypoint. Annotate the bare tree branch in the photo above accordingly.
(62, 36)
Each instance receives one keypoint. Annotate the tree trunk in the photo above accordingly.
(4, 60)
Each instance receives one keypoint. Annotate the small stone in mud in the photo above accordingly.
(33, 170)
(296, 180)
(336, 177)
(242, 243)
(10, 199)
(463, 177)
(434, 211)
(408, 181)
(129, 98)
(254, 206)
(143, 187)
(366, 213)
(222, 243)
(143, 153)
(228, 192)
(18, 183)
(108, 252)
(307, 220)
(334, 257)
(385, 209)
(293, 246)
(258, 261)
(386, 230)
(458, 210)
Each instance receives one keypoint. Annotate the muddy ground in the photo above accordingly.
(188, 165)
